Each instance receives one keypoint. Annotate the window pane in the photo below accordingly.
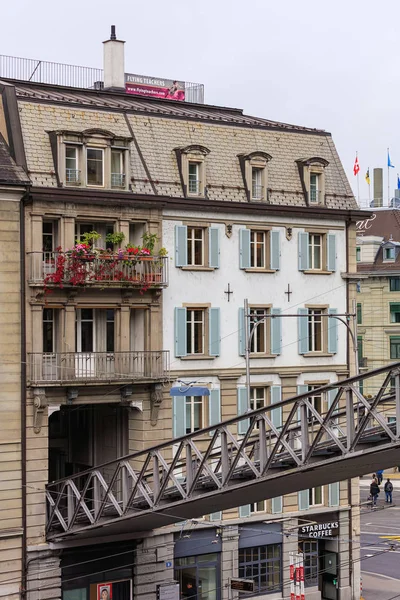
(48, 341)
(94, 166)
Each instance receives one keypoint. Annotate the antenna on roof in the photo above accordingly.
(113, 35)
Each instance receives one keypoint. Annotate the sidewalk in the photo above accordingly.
(386, 475)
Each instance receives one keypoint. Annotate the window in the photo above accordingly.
(263, 564)
(317, 402)
(389, 254)
(315, 330)
(257, 507)
(315, 251)
(394, 312)
(198, 576)
(72, 172)
(359, 313)
(358, 254)
(258, 247)
(195, 330)
(257, 188)
(316, 496)
(194, 183)
(391, 419)
(117, 169)
(110, 333)
(395, 347)
(394, 284)
(48, 236)
(258, 399)
(95, 166)
(195, 246)
(311, 559)
(259, 341)
(195, 417)
(48, 330)
(314, 188)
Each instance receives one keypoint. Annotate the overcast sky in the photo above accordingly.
(329, 64)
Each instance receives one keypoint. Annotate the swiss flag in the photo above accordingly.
(356, 167)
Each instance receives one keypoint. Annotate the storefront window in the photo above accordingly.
(79, 594)
(310, 552)
(263, 564)
(198, 577)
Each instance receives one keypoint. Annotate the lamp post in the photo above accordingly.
(250, 329)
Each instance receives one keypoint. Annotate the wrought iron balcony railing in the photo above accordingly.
(121, 269)
(117, 180)
(49, 368)
(72, 176)
(257, 192)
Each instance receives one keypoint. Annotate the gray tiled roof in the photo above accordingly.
(10, 173)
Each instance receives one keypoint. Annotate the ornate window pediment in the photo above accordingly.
(192, 169)
(254, 168)
(312, 177)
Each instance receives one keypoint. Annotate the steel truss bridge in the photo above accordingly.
(289, 446)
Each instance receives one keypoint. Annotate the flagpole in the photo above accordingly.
(369, 189)
(358, 183)
(388, 168)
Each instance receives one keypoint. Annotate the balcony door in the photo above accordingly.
(94, 343)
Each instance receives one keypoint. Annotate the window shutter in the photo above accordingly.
(303, 500)
(181, 246)
(333, 493)
(214, 336)
(331, 252)
(213, 247)
(244, 511)
(301, 389)
(302, 330)
(180, 332)
(243, 406)
(242, 338)
(274, 249)
(214, 408)
(276, 332)
(216, 516)
(276, 414)
(244, 248)
(331, 397)
(179, 415)
(303, 252)
(332, 332)
(276, 505)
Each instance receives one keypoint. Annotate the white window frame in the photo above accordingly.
(198, 187)
(315, 318)
(121, 172)
(77, 180)
(258, 507)
(262, 330)
(387, 258)
(191, 237)
(257, 402)
(315, 188)
(312, 494)
(257, 187)
(193, 402)
(94, 185)
(190, 330)
(255, 242)
(312, 246)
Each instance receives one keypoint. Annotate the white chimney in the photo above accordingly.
(114, 63)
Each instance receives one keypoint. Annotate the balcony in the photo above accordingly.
(96, 367)
(117, 180)
(61, 269)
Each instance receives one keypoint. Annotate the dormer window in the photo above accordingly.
(72, 171)
(117, 168)
(254, 169)
(95, 167)
(192, 169)
(257, 188)
(389, 254)
(312, 177)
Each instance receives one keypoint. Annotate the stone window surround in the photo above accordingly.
(92, 138)
(193, 153)
(314, 165)
(258, 160)
(324, 330)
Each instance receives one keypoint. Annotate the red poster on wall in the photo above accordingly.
(104, 591)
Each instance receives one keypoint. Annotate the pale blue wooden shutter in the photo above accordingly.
(332, 332)
(214, 335)
(276, 332)
(180, 332)
(333, 494)
(302, 330)
(275, 251)
(276, 414)
(331, 397)
(277, 505)
(303, 252)
(242, 337)
(181, 246)
(216, 516)
(214, 408)
(213, 247)
(244, 511)
(303, 500)
(331, 252)
(179, 415)
(244, 248)
(243, 406)
(301, 389)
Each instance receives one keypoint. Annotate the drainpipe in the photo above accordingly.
(23, 388)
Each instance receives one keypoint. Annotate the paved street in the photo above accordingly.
(380, 567)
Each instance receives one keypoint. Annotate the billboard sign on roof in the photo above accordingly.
(154, 87)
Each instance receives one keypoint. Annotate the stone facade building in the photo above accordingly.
(245, 208)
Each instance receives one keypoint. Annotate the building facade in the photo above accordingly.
(214, 207)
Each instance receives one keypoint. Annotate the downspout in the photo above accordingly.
(23, 389)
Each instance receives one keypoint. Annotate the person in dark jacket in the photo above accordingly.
(374, 491)
(389, 491)
(380, 476)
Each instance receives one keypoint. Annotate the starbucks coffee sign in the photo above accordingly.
(319, 530)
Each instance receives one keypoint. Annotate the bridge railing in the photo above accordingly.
(283, 438)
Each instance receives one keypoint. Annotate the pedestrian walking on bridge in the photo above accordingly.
(389, 491)
(374, 491)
